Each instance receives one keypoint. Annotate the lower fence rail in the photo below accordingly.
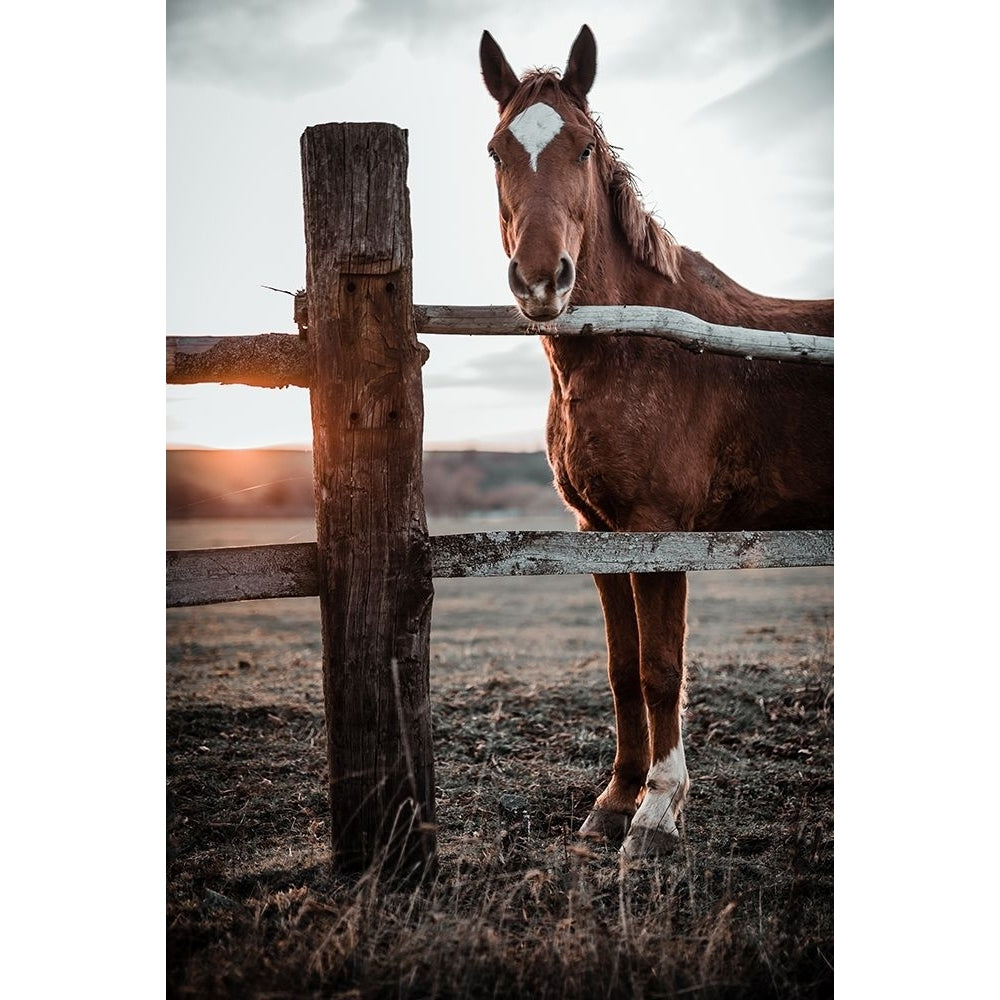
(217, 576)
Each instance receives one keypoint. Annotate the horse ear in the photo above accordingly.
(582, 65)
(501, 81)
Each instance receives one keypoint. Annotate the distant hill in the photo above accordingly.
(268, 482)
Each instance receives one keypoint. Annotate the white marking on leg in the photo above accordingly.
(666, 786)
(534, 128)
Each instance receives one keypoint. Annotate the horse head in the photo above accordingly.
(547, 178)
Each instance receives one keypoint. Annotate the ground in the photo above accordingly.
(524, 739)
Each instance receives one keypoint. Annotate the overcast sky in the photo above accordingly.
(724, 110)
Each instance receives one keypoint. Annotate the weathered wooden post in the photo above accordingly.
(374, 554)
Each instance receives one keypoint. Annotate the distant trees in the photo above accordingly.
(256, 483)
(279, 483)
(468, 482)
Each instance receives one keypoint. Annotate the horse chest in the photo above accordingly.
(672, 452)
(595, 450)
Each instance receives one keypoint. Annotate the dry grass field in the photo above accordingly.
(524, 738)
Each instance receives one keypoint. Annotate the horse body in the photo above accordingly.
(643, 435)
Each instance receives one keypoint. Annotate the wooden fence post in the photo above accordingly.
(374, 553)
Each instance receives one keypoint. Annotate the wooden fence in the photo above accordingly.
(373, 562)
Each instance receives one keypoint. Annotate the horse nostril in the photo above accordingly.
(517, 284)
(565, 276)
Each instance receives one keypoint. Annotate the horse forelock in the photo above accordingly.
(649, 241)
(530, 91)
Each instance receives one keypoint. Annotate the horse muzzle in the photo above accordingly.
(542, 296)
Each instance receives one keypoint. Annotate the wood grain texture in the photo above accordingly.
(272, 360)
(212, 576)
(243, 573)
(535, 553)
(682, 328)
(374, 555)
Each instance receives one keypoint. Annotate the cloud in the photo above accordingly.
(519, 369)
(815, 279)
(797, 90)
(286, 48)
(417, 19)
(257, 45)
(699, 39)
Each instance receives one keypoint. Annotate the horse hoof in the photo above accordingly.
(645, 843)
(603, 823)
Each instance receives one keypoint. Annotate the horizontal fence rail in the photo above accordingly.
(268, 360)
(279, 359)
(545, 553)
(682, 328)
(216, 576)
(241, 573)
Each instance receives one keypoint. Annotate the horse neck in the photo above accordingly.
(609, 274)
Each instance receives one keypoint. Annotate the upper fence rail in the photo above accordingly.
(280, 359)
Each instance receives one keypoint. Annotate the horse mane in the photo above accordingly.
(649, 241)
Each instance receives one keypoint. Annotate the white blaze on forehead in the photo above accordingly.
(534, 128)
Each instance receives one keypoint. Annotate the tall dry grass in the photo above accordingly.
(593, 926)
(517, 905)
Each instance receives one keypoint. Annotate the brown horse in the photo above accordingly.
(643, 435)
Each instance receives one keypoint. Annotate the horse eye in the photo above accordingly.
(496, 159)
(585, 155)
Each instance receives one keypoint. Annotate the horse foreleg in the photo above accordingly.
(661, 608)
(616, 805)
